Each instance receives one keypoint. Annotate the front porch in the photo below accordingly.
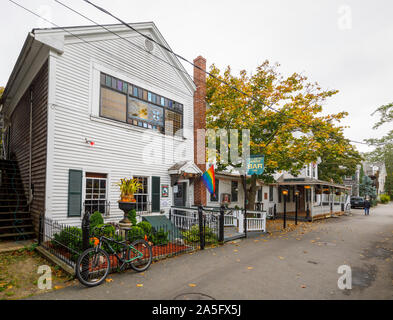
(311, 199)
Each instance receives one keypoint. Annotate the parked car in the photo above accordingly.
(357, 202)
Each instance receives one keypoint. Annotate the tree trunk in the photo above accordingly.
(251, 192)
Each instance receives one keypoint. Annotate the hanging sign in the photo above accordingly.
(255, 165)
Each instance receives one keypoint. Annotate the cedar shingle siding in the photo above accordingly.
(20, 140)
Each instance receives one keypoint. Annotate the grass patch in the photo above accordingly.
(19, 276)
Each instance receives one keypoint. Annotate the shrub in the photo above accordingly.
(373, 202)
(385, 198)
(69, 238)
(135, 233)
(146, 227)
(107, 230)
(96, 219)
(132, 216)
(192, 235)
(159, 237)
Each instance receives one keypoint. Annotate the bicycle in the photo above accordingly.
(93, 265)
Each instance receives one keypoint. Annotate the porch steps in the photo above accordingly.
(15, 220)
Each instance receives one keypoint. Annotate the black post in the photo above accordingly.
(201, 234)
(285, 211)
(221, 224)
(245, 205)
(308, 206)
(296, 206)
(275, 211)
(85, 231)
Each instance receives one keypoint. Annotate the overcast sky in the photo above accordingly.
(344, 45)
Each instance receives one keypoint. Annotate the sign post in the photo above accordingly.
(255, 165)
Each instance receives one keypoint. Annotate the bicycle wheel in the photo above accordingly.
(92, 267)
(142, 263)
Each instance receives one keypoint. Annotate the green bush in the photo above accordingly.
(192, 235)
(373, 202)
(96, 219)
(136, 233)
(132, 216)
(159, 237)
(385, 198)
(146, 227)
(69, 238)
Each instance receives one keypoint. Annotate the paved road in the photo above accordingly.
(300, 264)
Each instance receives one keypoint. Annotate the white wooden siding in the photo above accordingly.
(118, 149)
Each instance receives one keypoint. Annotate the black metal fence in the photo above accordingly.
(64, 242)
(68, 242)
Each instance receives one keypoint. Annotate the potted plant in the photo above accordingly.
(127, 202)
(128, 187)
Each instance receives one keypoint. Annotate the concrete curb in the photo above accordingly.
(56, 260)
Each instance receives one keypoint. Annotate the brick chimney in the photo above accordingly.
(199, 123)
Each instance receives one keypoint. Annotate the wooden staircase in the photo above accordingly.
(15, 220)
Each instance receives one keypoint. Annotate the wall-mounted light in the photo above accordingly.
(297, 192)
(307, 187)
(285, 192)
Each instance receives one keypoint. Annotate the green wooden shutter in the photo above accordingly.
(155, 194)
(75, 193)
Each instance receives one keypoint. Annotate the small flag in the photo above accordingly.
(209, 180)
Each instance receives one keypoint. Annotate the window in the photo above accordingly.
(125, 102)
(96, 195)
(142, 196)
(271, 195)
(113, 104)
(216, 198)
(259, 195)
(173, 122)
(234, 191)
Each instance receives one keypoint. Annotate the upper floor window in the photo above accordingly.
(125, 102)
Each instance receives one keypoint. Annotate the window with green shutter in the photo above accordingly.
(155, 194)
(75, 193)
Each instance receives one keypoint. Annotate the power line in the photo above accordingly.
(162, 46)
(102, 50)
(119, 36)
(195, 66)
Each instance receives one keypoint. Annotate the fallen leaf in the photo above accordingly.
(58, 287)
(192, 284)
(108, 280)
(250, 268)
(303, 286)
(9, 287)
(139, 285)
(281, 258)
(235, 250)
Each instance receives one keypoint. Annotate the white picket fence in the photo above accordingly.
(235, 218)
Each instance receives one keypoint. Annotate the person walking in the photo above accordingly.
(367, 206)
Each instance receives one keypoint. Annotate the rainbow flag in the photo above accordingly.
(209, 180)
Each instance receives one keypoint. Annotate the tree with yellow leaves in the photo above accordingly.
(283, 115)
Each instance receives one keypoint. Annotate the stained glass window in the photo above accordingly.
(125, 102)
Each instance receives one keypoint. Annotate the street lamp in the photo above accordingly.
(297, 192)
(308, 189)
(285, 193)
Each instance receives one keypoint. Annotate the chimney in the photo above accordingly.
(199, 123)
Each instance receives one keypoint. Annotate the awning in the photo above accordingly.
(305, 181)
(184, 170)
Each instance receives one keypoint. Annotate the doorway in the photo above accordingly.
(180, 196)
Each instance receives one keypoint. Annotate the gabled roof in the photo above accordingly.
(53, 38)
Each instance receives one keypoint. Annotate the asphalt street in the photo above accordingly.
(299, 264)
